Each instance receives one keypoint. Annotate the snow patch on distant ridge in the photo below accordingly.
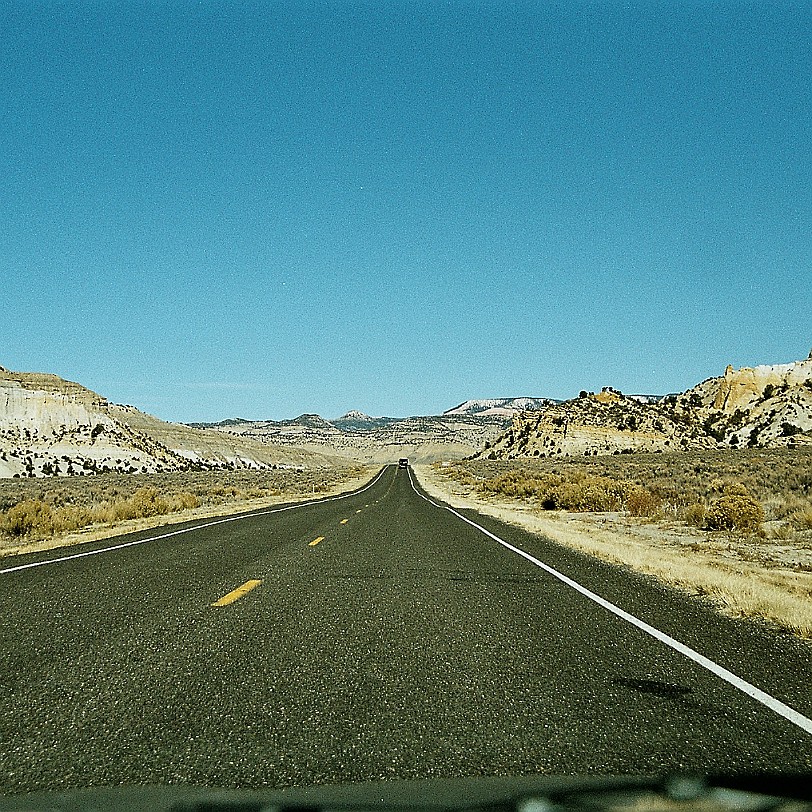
(354, 414)
(499, 406)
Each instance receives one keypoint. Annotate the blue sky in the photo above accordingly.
(258, 209)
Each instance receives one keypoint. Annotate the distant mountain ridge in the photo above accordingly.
(358, 420)
(456, 433)
(377, 439)
(500, 406)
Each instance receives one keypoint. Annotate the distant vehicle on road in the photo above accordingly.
(403, 462)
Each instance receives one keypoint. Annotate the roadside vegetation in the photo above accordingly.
(732, 526)
(33, 510)
(767, 493)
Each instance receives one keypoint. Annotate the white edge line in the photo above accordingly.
(190, 529)
(775, 705)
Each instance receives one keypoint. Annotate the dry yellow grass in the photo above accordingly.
(737, 574)
(45, 514)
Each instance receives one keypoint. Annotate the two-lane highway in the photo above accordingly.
(376, 635)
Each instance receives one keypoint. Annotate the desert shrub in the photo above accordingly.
(802, 519)
(642, 502)
(728, 487)
(780, 479)
(598, 494)
(68, 518)
(590, 497)
(31, 517)
(784, 508)
(694, 514)
(735, 512)
(146, 502)
(577, 491)
(521, 485)
(117, 512)
(790, 430)
(459, 474)
(782, 532)
(44, 507)
(736, 489)
(228, 492)
(674, 495)
(182, 501)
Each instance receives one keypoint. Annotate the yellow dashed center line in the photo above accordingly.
(316, 541)
(237, 593)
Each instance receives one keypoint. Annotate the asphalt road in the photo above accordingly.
(406, 643)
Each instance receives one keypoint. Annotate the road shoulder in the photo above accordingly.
(673, 555)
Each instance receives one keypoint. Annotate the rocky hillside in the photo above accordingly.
(764, 406)
(49, 426)
(757, 406)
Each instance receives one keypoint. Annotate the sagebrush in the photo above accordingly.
(41, 508)
(736, 491)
